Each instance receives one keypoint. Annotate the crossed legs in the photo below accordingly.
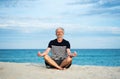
(66, 62)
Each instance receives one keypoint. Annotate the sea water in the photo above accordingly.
(97, 57)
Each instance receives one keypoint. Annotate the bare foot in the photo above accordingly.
(64, 68)
(59, 68)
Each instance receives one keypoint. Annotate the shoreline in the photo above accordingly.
(13, 70)
(43, 64)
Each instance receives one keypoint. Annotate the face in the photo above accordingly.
(59, 33)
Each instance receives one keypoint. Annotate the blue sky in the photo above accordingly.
(31, 24)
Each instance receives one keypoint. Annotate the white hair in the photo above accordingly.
(60, 28)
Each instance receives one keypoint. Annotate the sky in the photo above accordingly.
(88, 24)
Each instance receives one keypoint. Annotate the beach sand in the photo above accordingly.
(38, 71)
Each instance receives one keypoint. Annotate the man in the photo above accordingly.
(60, 49)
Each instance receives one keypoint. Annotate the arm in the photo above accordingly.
(45, 52)
(71, 54)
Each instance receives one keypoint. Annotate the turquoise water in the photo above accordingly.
(97, 57)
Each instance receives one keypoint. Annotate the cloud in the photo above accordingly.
(95, 7)
(18, 3)
(100, 3)
(27, 25)
(108, 3)
(35, 25)
(79, 2)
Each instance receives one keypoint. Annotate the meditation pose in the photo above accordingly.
(61, 56)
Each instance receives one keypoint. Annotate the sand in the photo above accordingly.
(38, 71)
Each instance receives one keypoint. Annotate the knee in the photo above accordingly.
(46, 57)
(69, 59)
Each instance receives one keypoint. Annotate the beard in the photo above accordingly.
(60, 36)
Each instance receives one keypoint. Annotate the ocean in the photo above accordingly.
(95, 57)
